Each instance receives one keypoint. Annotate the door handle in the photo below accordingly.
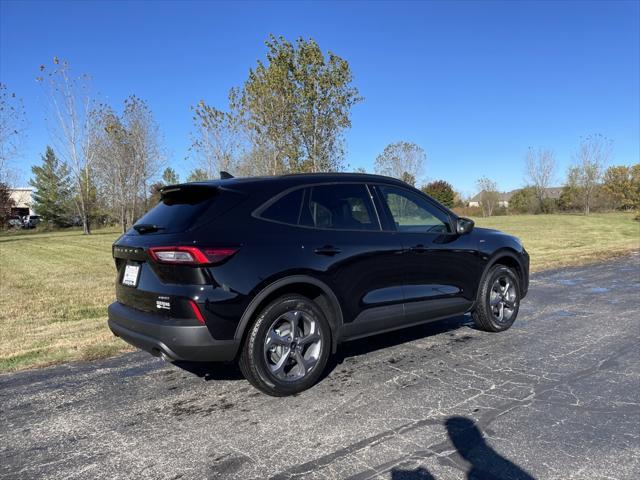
(328, 250)
(420, 248)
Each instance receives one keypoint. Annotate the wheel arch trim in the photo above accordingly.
(495, 258)
(334, 323)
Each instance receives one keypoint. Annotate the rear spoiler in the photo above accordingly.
(188, 192)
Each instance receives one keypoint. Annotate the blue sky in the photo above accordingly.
(473, 83)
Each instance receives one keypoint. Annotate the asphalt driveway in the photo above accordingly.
(555, 397)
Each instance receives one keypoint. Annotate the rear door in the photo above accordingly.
(344, 240)
(438, 265)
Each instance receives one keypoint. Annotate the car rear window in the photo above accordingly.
(286, 209)
(184, 207)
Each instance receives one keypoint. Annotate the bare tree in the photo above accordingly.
(590, 161)
(69, 104)
(403, 160)
(217, 141)
(489, 196)
(146, 147)
(128, 156)
(12, 128)
(113, 154)
(540, 167)
(261, 158)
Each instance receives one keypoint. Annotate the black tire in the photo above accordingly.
(490, 296)
(258, 361)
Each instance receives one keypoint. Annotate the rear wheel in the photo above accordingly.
(498, 300)
(287, 347)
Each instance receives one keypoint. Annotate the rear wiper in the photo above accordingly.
(147, 228)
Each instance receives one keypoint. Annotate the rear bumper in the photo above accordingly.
(183, 340)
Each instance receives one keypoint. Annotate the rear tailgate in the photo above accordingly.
(154, 287)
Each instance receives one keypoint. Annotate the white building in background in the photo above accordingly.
(503, 199)
(23, 201)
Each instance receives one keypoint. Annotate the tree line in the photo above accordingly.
(100, 162)
(588, 184)
(107, 164)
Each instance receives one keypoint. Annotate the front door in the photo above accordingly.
(439, 265)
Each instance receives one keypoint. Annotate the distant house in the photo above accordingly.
(23, 201)
(553, 193)
(505, 197)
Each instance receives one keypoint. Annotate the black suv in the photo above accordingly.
(275, 272)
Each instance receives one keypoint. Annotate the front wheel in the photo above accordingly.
(498, 300)
(287, 347)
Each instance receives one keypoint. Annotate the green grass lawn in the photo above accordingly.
(55, 286)
(562, 240)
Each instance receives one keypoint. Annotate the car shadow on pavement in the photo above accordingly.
(355, 348)
(484, 462)
(212, 371)
(364, 346)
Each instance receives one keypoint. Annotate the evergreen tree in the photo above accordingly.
(6, 204)
(52, 196)
(170, 177)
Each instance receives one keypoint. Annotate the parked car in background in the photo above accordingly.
(276, 272)
(15, 222)
(31, 221)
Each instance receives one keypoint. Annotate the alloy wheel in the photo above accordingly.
(292, 345)
(503, 298)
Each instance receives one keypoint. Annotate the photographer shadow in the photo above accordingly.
(485, 462)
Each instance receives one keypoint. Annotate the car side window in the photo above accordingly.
(412, 213)
(339, 206)
(286, 209)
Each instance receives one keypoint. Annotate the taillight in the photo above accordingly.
(190, 255)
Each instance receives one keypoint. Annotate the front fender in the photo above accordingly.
(511, 257)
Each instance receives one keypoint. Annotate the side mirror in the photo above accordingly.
(464, 225)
